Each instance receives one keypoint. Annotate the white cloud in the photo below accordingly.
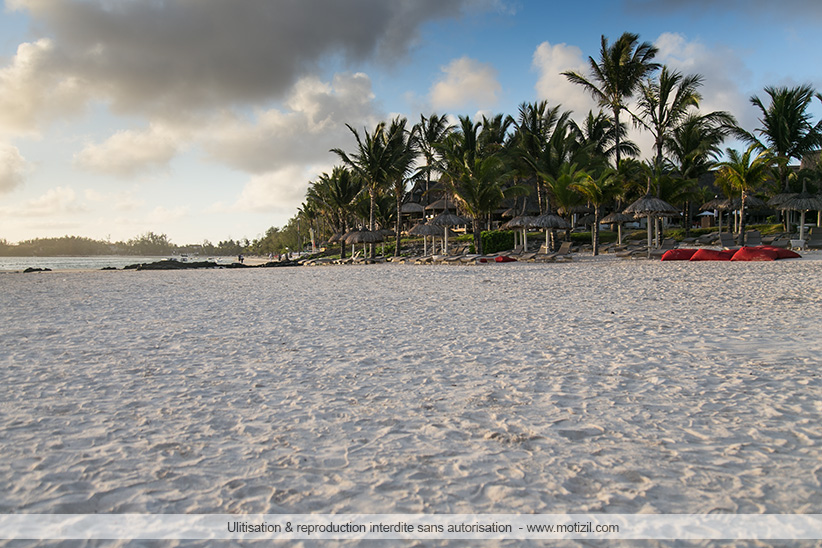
(277, 192)
(34, 89)
(305, 133)
(127, 153)
(161, 215)
(56, 201)
(550, 61)
(466, 83)
(13, 168)
(725, 74)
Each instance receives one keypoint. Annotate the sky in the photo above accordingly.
(207, 119)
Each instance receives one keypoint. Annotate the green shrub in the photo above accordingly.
(497, 240)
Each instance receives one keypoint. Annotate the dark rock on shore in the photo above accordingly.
(179, 265)
(32, 269)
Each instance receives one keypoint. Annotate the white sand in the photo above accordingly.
(599, 386)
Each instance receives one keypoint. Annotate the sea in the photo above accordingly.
(16, 264)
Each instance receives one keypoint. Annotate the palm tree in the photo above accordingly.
(664, 103)
(545, 138)
(402, 146)
(562, 189)
(598, 138)
(787, 126)
(746, 174)
(372, 162)
(621, 68)
(334, 196)
(430, 132)
(598, 192)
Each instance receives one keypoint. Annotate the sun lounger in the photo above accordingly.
(753, 238)
(726, 240)
(814, 240)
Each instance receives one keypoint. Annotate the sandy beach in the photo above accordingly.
(595, 386)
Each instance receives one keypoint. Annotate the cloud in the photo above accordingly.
(313, 123)
(277, 192)
(55, 201)
(725, 74)
(466, 82)
(35, 89)
(182, 55)
(550, 61)
(127, 153)
(763, 9)
(13, 168)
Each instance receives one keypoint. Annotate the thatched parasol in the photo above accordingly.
(777, 200)
(549, 221)
(426, 230)
(750, 202)
(802, 202)
(335, 238)
(618, 219)
(445, 220)
(651, 207)
(522, 222)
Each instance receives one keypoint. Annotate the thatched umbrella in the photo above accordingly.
(651, 207)
(425, 230)
(618, 219)
(362, 236)
(440, 205)
(335, 238)
(523, 222)
(446, 220)
(717, 204)
(550, 222)
(802, 202)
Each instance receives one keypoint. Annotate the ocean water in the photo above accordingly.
(85, 263)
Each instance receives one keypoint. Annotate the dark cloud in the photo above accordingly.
(164, 55)
(800, 10)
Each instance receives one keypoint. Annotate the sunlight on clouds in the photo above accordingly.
(313, 123)
(726, 78)
(550, 61)
(466, 82)
(278, 192)
(128, 153)
(33, 90)
(13, 168)
(160, 215)
(56, 201)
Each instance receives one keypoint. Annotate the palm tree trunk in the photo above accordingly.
(595, 231)
(477, 236)
(373, 195)
(741, 239)
(399, 219)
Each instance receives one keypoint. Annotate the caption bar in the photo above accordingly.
(411, 526)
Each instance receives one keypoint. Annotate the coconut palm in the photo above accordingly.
(402, 147)
(334, 196)
(664, 103)
(787, 126)
(616, 76)
(562, 189)
(598, 191)
(746, 173)
(430, 132)
(597, 138)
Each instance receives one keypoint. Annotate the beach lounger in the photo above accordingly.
(814, 240)
(753, 238)
(726, 240)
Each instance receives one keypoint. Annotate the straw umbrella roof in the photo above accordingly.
(804, 201)
(335, 238)
(716, 203)
(550, 220)
(750, 201)
(522, 221)
(422, 229)
(651, 206)
(363, 237)
(777, 200)
(616, 217)
(447, 219)
(412, 207)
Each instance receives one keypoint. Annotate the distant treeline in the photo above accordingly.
(149, 244)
